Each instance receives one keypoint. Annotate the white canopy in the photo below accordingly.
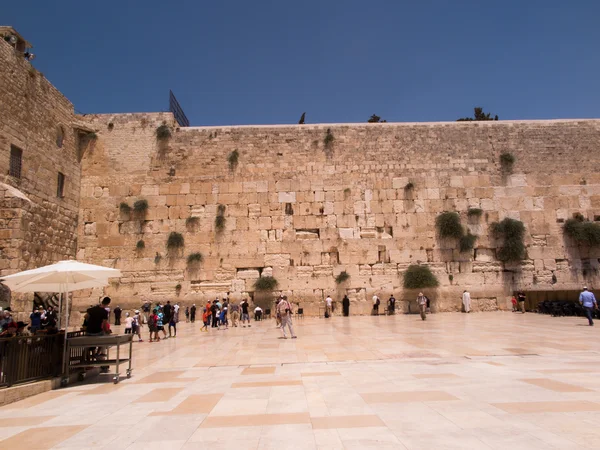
(64, 276)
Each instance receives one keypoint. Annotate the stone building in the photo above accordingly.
(302, 203)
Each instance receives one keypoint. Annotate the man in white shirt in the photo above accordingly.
(376, 303)
(258, 313)
(466, 300)
(328, 305)
(284, 308)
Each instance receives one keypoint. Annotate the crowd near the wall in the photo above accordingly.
(223, 313)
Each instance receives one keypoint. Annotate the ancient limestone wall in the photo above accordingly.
(36, 227)
(304, 207)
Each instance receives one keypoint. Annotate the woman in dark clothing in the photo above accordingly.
(346, 306)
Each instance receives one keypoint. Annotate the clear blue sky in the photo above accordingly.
(265, 62)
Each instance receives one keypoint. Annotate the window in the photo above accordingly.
(16, 159)
(60, 186)
(60, 136)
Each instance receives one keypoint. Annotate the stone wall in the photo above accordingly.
(304, 207)
(36, 227)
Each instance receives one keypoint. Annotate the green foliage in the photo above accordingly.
(451, 278)
(507, 160)
(512, 232)
(175, 241)
(419, 277)
(163, 132)
(195, 258)
(448, 225)
(92, 136)
(409, 186)
(265, 284)
(232, 159)
(125, 208)
(220, 219)
(157, 258)
(583, 232)
(140, 206)
(302, 118)
(374, 119)
(220, 223)
(474, 212)
(192, 222)
(478, 115)
(343, 276)
(328, 140)
(467, 242)
(141, 245)
(178, 287)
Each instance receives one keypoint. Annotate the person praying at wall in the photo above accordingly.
(466, 301)
(346, 306)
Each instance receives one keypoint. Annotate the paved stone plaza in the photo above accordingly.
(477, 381)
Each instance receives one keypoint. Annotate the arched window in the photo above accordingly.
(60, 136)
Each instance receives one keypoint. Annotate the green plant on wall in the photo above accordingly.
(157, 258)
(467, 242)
(583, 232)
(448, 225)
(232, 159)
(195, 258)
(474, 213)
(220, 219)
(125, 208)
(507, 161)
(140, 207)
(342, 277)
(512, 232)
(191, 223)
(141, 245)
(163, 132)
(328, 139)
(419, 277)
(175, 241)
(266, 283)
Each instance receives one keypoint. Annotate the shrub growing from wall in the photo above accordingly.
(419, 277)
(512, 232)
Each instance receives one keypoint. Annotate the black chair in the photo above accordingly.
(300, 313)
(267, 313)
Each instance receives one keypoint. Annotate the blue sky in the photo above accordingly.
(266, 62)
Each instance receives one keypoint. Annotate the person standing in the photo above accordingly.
(187, 313)
(346, 306)
(588, 301)
(466, 301)
(245, 313)
(173, 324)
(235, 314)
(376, 303)
(521, 299)
(392, 305)
(422, 302)
(277, 315)
(137, 325)
(167, 312)
(285, 310)
(193, 313)
(214, 312)
(36, 320)
(96, 318)
(128, 323)
(118, 312)
(328, 304)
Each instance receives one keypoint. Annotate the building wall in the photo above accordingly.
(36, 227)
(304, 211)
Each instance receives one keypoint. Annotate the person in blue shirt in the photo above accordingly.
(588, 301)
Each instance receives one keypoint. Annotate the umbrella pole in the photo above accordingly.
(65, 362)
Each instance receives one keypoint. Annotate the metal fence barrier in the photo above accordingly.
(31, 358)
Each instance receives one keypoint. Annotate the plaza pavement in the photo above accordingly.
(456, 381)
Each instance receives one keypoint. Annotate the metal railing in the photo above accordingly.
(30, 358)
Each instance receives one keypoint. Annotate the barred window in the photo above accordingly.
(60, 186)
(16, 160)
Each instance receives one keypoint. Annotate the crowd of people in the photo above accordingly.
(42, 321)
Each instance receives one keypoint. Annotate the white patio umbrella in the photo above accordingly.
(62, 277)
